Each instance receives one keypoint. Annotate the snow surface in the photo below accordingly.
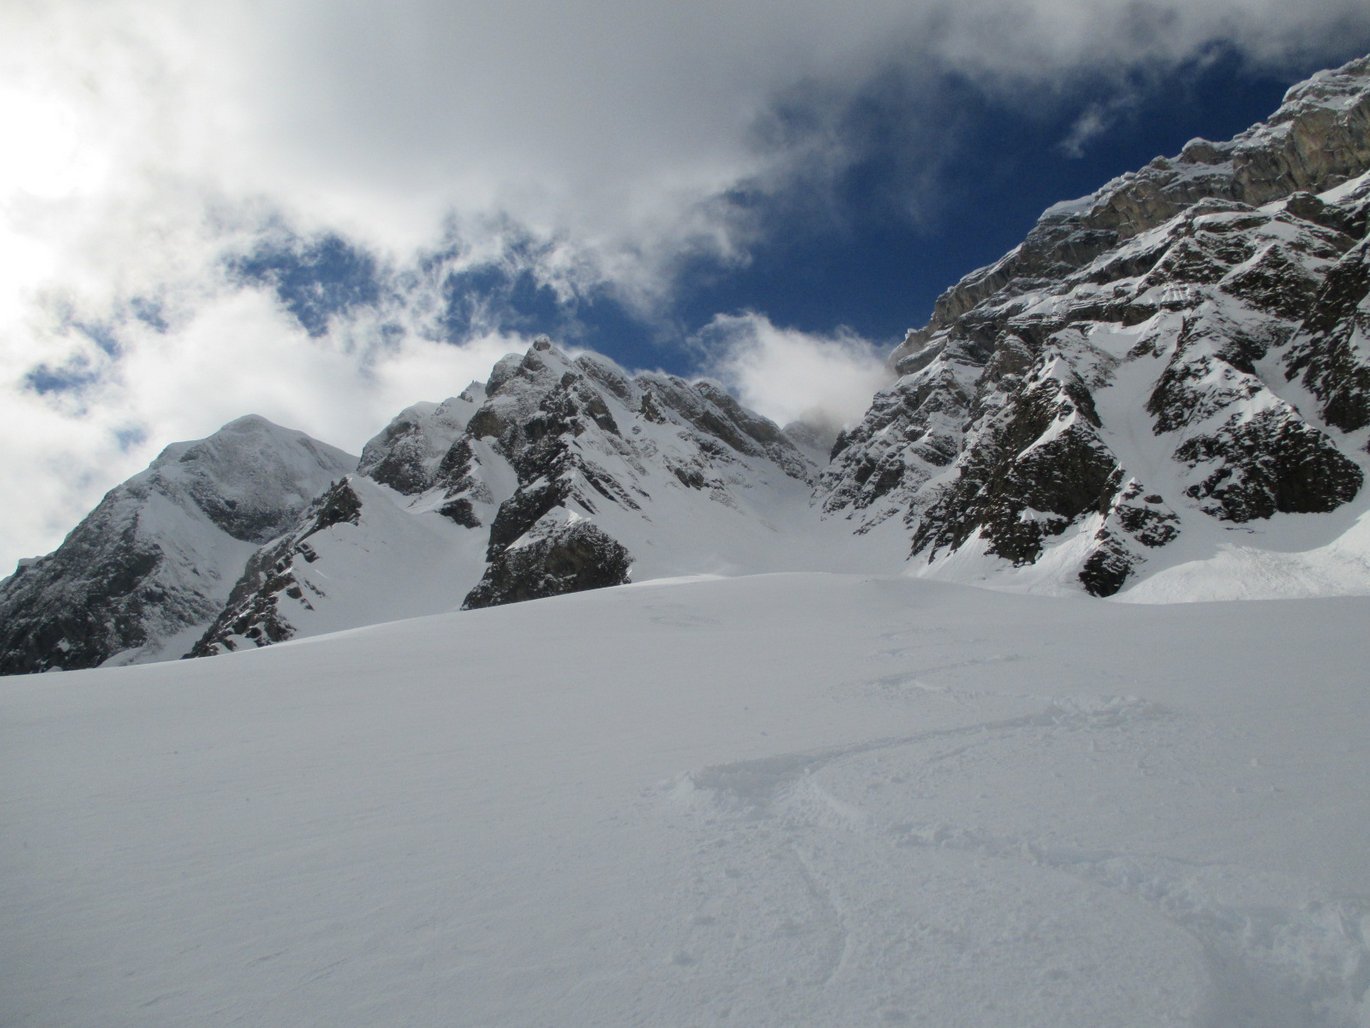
(771, 800)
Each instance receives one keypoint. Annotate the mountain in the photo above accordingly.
(559, 474)
(380, 545)
(678, 474)
(1158, 377)
(1162, 394)
(141, 574)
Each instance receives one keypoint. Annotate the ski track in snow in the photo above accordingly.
(1275, 952)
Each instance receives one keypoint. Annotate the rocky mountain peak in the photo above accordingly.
(583, 437)
(409, 454)
(1182, 350)
(1317, 139)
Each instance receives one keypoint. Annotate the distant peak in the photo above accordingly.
(253, 422)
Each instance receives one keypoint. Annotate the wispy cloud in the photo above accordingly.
(1095, 121)
(825, 379)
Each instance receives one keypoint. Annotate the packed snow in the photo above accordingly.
(770, 800)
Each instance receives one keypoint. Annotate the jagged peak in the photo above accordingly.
(1318, 139)
(1187, 297)
(1327, 87)
(406, 454)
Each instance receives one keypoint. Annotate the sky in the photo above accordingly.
(322, 212)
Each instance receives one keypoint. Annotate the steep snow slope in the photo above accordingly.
(359, 557)
(776, 800)
(146, 571)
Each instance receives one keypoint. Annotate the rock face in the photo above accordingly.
(1189, 342)
(414, 452)
(157, 558)
(552, 559)
(648, 461)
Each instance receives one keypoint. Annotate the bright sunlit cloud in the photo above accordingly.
(788, 375)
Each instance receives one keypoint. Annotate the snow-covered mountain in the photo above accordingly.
(1153, 382)
(720, 796)
(1163, 393)
(558, 475)
(140, 577)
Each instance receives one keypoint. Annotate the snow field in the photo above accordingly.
(780, 799)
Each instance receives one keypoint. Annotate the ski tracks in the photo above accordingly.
(889, 875)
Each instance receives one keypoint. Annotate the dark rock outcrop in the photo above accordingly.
(552, 561)
(1190, 295)
(583, 436)
(413, 452)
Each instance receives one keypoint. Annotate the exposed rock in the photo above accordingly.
(554, 559)
(1270, 462)
(1134, 517)
(1331, 354)
(1030, 473)
(1189, 296)
(1319, 138)
(412, 452)
(574, 433)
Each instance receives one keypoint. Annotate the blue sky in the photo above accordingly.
(322, 212)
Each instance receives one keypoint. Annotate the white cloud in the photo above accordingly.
(788, 375)
(609, 124)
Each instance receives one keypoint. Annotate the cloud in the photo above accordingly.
(610, 126)
(824, 379)
(1093, 122)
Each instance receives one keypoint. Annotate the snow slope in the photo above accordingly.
(774, 800)
(391, 562)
